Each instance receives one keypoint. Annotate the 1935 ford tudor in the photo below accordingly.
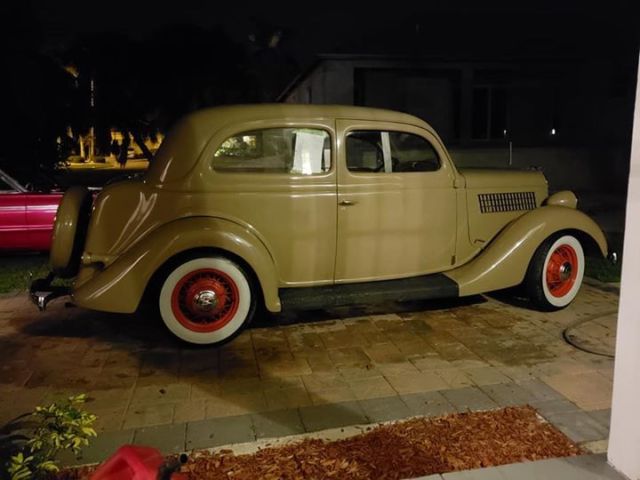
(311, 206)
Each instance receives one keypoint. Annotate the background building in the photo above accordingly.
(568, 116)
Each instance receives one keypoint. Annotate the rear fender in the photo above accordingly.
(120, 286)
(505, 261)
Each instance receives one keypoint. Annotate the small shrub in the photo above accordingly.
(32, 442)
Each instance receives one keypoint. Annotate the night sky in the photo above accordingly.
(320, 27)
(206, 52)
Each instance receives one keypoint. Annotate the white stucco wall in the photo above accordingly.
(624, 440)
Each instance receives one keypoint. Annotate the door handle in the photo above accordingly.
(346, 203)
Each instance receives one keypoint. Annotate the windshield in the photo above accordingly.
(24, 180)
(9, 183)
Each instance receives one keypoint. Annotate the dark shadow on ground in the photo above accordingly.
(109, 327)
(513, 297)
(319, 315)
(127, 351)
(149, 330)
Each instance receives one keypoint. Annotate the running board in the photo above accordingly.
(425, 287)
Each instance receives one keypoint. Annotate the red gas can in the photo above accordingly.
(131, 462)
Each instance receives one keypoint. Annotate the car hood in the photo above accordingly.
(481, 178)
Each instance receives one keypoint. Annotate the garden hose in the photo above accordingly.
(566, 335)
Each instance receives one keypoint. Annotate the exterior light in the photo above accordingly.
(72, 70)
(553, 131)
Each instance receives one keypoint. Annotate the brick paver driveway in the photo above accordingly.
(309, 371)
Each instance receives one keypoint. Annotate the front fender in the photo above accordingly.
(505, 261)
(121, 284)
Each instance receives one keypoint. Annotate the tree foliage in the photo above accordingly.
(31, 443)
(109, 80)
(142, 87)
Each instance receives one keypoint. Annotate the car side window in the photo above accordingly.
(298, 151)
(379, 151)
(364, 151)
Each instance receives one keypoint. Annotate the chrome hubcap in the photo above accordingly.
(565, 271)
(205, 301)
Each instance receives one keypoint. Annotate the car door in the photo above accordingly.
(396, 202)
(280, 180)
(13, 224)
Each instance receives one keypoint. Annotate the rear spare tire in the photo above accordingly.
(69, 231)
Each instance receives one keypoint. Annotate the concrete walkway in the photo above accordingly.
(310, 371)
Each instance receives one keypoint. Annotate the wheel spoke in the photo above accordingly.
(561, 270)
(205, 300)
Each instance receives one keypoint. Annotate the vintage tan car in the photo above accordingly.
(298, 206)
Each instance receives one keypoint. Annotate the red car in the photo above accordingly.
(26, 216)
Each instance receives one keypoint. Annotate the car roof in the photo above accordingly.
(189, 135)
(225, 115)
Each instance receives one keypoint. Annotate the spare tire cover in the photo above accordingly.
(69, 230)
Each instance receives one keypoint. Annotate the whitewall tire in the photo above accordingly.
(206, 300)
(556, 272)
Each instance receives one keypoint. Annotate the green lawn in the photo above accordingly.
(14, 271)
(603, 270)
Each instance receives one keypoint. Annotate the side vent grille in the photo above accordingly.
(506, 202)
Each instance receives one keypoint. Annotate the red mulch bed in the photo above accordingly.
(406, 449)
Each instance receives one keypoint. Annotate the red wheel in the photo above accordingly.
(562, 270)
(555, 272)
(206, 300)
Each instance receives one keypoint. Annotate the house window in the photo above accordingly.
(489, 113)
(298, 151)
(390, 152)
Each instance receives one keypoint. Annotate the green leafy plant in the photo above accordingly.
(32, 442)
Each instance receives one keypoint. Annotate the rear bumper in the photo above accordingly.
(42, 292)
